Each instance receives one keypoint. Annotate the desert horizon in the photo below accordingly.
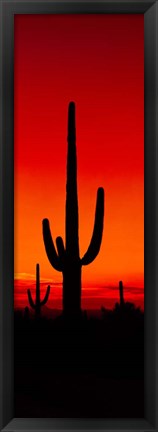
(93, 296)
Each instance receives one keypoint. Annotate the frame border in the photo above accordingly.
(7, 10)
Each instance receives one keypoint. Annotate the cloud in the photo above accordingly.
(27, 277)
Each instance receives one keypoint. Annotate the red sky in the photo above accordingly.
(98, 62)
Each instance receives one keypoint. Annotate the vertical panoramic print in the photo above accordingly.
(79, 215)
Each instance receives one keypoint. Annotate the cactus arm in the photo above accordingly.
(49, 246)
(60, 247)
(37, 284)
(44, 301)
(30, 299)
(96, 239)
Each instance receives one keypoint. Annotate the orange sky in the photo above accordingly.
(98, 62)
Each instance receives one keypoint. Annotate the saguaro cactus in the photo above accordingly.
(38, 303)
(68, 260)
(121, 294)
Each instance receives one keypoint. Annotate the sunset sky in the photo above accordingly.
(97, 61)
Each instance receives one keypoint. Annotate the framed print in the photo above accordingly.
(78, 215)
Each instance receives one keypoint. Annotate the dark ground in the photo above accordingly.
(92, 368)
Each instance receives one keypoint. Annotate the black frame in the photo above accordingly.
(7, 10)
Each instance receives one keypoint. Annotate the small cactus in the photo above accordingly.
(122, 302)
(38, 303)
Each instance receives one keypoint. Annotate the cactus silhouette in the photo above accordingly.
(38, 303)
(68, 260)
(122, 302)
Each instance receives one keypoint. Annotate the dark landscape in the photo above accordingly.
(90, 367)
